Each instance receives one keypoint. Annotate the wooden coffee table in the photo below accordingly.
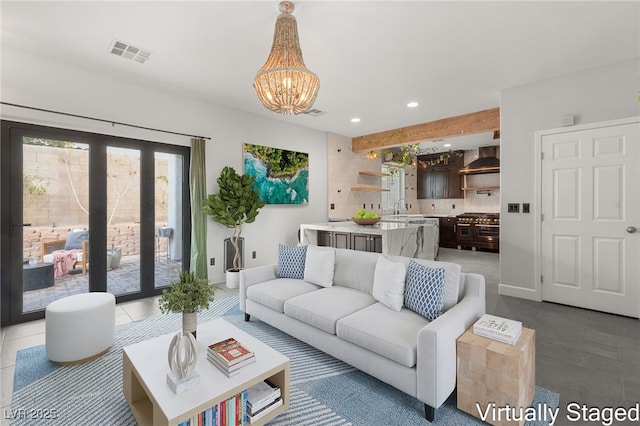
(153, 403)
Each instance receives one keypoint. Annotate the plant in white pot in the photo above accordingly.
(187, 295)
(235, 204)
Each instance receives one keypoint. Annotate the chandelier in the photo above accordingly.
(284, 84)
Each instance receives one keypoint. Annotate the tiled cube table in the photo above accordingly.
(494, 372)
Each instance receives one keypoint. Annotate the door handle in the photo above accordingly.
(632, 229)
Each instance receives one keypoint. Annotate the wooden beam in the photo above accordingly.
(467, 124)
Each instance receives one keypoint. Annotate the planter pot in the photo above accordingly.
(116, 255)
(190, 322)
(233, 278)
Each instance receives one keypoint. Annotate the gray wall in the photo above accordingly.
(594, 95)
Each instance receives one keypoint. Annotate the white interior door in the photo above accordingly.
(590, 231)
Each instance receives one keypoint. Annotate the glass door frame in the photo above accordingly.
(11, 207)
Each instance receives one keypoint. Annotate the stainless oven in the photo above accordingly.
(478, 230)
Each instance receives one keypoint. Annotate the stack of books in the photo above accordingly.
(498, 328)
(230, 356)
(262, 398)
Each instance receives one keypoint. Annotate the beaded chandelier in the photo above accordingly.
(284, 84)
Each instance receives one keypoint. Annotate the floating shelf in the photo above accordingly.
(372, 173)
(369, 188)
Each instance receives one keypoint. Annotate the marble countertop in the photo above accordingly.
(352, 227)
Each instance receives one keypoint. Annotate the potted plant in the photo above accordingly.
(187, 295)
(235, 204)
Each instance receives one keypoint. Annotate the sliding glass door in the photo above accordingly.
(84, 212)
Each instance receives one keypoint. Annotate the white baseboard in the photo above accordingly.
(522, 293)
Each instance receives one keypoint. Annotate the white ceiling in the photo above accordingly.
(372, 57)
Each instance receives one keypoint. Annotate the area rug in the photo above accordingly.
(324, 391)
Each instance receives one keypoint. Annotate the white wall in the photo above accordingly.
(594, 95)
(46, 83)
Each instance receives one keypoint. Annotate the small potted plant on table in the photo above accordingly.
(187, 295)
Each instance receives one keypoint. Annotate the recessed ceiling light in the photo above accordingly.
(412, 104)
(447, 145)
(355, 120)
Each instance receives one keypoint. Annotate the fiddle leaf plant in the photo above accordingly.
(187, 294)
(235, 204)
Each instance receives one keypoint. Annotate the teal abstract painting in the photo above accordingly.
(282, 176)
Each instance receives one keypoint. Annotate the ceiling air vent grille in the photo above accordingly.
(314, 112)
(129, 51)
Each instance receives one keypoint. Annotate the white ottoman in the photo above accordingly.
(80, 328)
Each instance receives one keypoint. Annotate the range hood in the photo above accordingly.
(487, 162)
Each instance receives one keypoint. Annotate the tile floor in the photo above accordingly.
(588, 357)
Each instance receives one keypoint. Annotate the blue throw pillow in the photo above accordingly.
(75, 239)
(424, 290)
(291, 261)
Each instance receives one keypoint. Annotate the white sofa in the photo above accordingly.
(401, 348)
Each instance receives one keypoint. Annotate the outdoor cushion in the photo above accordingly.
(75, 239)
(377, 328)
(323, 308)
(274, 293)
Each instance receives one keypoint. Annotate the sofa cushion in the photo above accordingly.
(424, 291)
(355, 269)
(451, 278)
(274, 293)
(393, 335)
(388, 283)
(319, 264)
(323, 308)
(75, 239)
(291, 261)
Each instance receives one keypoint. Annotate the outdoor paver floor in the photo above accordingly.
(122, 280)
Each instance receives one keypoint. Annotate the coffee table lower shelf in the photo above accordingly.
(147, 395)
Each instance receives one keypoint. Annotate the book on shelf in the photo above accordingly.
(261, 395)
(264, 411)
(230, 370)
(229, 351)
(498, 328)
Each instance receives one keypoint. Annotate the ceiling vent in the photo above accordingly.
(314, 112)
(129, 51)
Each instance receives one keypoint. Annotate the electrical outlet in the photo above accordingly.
(513, 208)
(212, 261)
(453, 206)
(333, 206)
(526, 208)
(253, 254)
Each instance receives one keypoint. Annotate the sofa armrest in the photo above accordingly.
(436, 362)
(49, 247)
(251, 276)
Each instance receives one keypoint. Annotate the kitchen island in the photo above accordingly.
(390, 238)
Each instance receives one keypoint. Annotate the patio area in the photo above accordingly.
(122, 280)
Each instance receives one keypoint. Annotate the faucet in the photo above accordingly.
(396, 206)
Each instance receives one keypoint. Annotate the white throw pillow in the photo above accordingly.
(388, 283)
(319, 264)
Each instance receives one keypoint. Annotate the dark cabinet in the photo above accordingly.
(448, 232)
(366, 242)
(334, 239)
(441, 180)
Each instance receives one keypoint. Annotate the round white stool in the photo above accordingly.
(80, 328)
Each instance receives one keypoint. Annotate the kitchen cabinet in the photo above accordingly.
(442, 180)
(334, 239)
(448, 232)
(366, 242)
